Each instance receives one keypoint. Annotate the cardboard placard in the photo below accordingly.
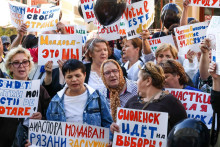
(138, 16)
(190, 37)
(66, 134)
(141, 128)
(19, 99)
(53, 47)
(197, 104)
(39, 19)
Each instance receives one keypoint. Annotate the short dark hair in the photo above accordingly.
(72, 65)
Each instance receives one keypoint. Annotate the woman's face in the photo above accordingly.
(111, 75)
(20, 66)
(75, 80)
(171, 80)
(164, 55)
(128, 50)
(100, 53)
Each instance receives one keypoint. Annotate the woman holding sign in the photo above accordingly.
(151, 96)
(19, 64)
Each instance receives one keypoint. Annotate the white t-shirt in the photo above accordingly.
(74, 107)
(95, 81)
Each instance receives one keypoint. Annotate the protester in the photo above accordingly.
(132, 51)
(6, 42)
(152, 97)
(175, 76)
(77, 101)
(118, 88)
(19, 64)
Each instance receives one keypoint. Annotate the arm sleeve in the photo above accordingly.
(215, 100)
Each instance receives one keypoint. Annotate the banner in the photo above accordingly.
(110, 32)
(205, 3)
(197, 104)
(138, 16)
(39, 20)
(154, 43)
(66, 134)
(17, 13)
(19, 99)
(141, 128)
(190, 37)
(122, 28)
(53, 47)
(77, 29)
(87, 9)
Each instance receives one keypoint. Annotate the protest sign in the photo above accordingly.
(205, 3)
(122, 27)
(197, 104)
(59, 47)
(87, 9)
(19, 99)
(141, 128)
(138, 16)
(154, 43)
(66, 134)
(77, 29)
(190, 37)
(110, 32)
(217, 53)
(39, 19)
(17, 12)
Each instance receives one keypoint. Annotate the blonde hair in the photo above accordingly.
(15, 51)
(165, 47)
(155, 72)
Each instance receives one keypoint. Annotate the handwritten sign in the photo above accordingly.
(77, 29)
(39, 20)
(154, 43)
(87, 9)
(122, 27)
(138, 16)
(59, 47)
(205, 3)
(197, 104)
(217, 60)
(19, 99)
(17, 13)
(110, 32)
(66, 134)
(190, 36)
(141, 128)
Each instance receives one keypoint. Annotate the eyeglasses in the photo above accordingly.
(108, 73)
(17, 64)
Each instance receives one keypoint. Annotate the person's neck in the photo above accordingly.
(133, 61)
(123, 89)
(96, 68)
(179, 86)
(24, 79)
(152, 92)
(73, 93)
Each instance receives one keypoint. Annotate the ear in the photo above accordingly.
(148, 81)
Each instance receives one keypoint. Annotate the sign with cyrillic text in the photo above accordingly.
(197, 104)
(53, 47)
(66, 134)
(39, 20)
(17, 13)
(141, 128)
(138, 16)
(77, 29)
(87, 9)
(154, 43)
(190, 37)
(18, 99)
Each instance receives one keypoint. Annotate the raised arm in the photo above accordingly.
(184, 17)
(22, 29)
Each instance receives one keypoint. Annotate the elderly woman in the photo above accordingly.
(132, 51)
(175, 76)
(19, 64)
(151, 96)
(118, 89)
(77, 101)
